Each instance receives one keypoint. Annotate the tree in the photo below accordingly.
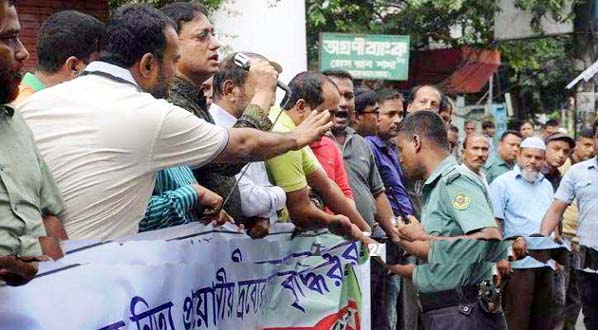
(533, 70)
(210, 4)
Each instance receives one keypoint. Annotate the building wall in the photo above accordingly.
(32, 13)
(275, 29)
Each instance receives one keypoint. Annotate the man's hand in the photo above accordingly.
(519, 248)
(18, 271)
(312, 128)
(262, 79)
(414, 231)
(258, 227)
(212, 204)
(342, 226)
(503, 270)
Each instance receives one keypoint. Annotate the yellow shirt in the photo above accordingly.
(289, 170)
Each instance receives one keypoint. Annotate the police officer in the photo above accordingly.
(456, 237)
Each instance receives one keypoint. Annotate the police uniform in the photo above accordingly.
(448, 283)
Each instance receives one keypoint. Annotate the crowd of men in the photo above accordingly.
(138, 124)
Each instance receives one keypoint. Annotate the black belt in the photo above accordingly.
(448, 298)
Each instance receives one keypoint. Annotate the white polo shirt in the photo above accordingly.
(104, 140)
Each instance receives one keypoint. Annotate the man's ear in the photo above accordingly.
(72, 67)
(301, 107)
(417, 143)
(147, 65)
(227, 87)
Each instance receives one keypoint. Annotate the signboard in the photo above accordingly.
(372, 56)
(511, 23)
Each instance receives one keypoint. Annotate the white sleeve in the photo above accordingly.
(259, 198)
(184, 139)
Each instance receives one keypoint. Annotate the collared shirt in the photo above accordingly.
(364, 177)
(174, 201)
(219, 178)
(331, 160)
(519, 203)
(259, 198)
(496, 166)
(455, 204)
(388, 165)
(29, 85)
(27, 189)
(581, 182)
(554, 177)
(104, 140)
(480, 176)
(290, 170)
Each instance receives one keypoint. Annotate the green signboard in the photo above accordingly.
(369, 56)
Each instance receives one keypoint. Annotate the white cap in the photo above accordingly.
(533, 142)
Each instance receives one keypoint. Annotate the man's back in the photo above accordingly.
(103, 141)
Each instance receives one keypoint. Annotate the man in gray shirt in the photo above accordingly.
(581, 183)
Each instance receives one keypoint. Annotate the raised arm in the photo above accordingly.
(246, 144)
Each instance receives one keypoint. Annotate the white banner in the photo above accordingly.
(207, 280)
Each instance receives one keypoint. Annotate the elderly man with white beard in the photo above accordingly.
(520, 198)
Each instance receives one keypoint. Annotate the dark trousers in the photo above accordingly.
(528, 299)
(573, 299)
(588, 286)
(464, 317)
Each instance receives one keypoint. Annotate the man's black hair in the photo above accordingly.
(551, 123)
(488, 124)
(229, 71)
(595, 127)
(135, 30)
(428, 125)
(587, 133)
(364, 97)
(445, 104)
(183, 12)
(454, 128)
(342, 74)
(307, 86)
(389, 94)
(414, 90)
(68, 33)
(510, 132)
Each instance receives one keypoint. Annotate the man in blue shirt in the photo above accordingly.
(581, 183)
(390, 106)
(519, 198)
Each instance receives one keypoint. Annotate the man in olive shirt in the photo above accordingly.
(504, 160)
(456, 214)
(198, 63)
(29, 198)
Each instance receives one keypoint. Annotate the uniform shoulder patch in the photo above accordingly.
(461, 201)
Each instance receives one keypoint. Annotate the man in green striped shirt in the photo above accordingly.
(177, 200)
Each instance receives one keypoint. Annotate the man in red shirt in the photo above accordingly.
(329, 156)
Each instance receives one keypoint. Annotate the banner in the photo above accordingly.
(366, 56)
(210, 280)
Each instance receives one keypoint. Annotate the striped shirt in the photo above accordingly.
(173, 201)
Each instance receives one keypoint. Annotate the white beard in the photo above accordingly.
(529, 176)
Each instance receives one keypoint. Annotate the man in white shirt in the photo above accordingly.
(105, 135)
(475, 154)
(260, 200)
